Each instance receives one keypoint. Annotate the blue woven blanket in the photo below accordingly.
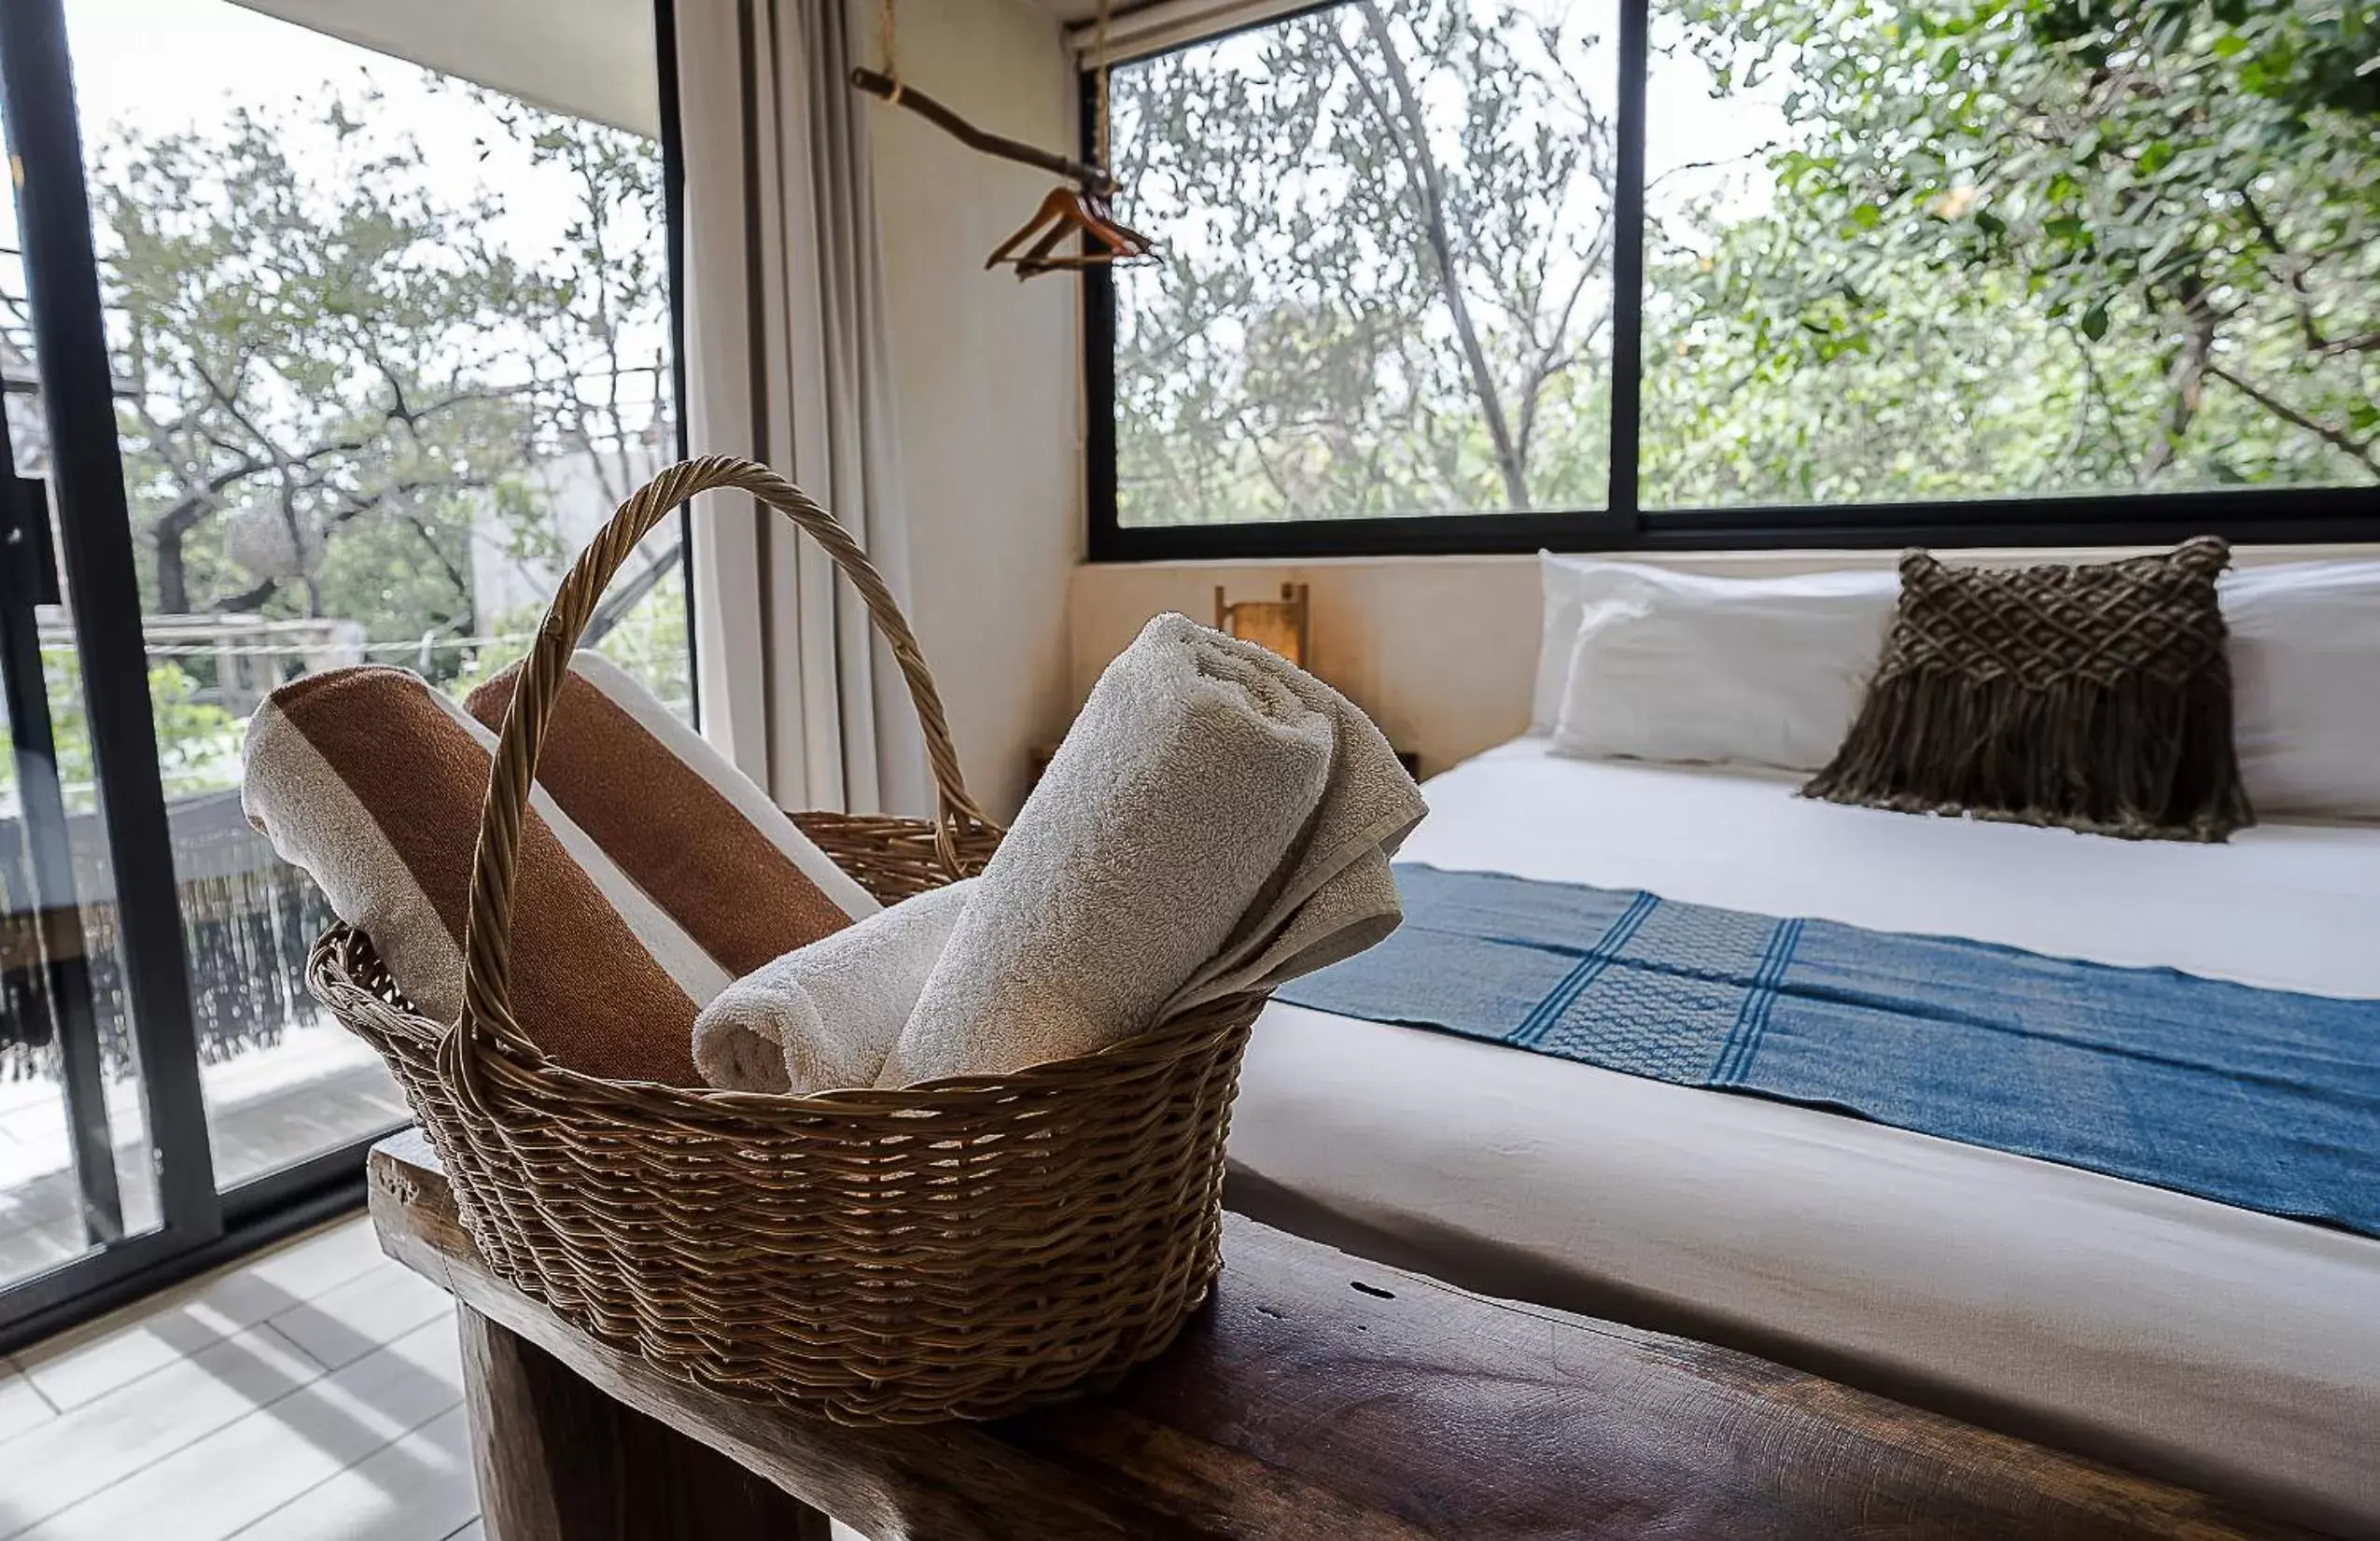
(2262, 1099)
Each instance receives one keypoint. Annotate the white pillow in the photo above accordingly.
(1747, 671)
(1571, 584)
(2305, 686)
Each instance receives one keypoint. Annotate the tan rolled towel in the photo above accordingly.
(1215, 822)
(825, 1016)
(373, 782)
(711, 847)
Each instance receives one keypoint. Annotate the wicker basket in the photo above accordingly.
(959, 1249)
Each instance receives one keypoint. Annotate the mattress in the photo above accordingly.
(2230, 1350)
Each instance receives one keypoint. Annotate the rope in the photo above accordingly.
(1099, 86)
(887, 48)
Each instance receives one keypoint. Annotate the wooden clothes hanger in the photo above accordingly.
(1080, 211)
(1063, 213)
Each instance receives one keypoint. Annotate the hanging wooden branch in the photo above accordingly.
(1079, 214)
(1089, 178)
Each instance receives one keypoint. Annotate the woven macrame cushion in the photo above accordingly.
(2096, 696)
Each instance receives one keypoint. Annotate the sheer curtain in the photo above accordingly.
(787, 362)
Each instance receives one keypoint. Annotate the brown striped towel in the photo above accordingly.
(687, 827)
(373, 782)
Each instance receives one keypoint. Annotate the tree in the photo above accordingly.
(1999, 246)
(1387, 231)
(293, 357)
(2177, 181)
(331, 381)
(598, 311)
(331, 378)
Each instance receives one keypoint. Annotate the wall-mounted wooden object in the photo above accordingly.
(1282, 624)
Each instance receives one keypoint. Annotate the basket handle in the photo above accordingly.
(487, 935)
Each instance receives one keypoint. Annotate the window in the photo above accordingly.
(1387, 278)
(1482, 275)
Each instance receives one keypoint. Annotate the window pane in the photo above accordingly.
(1978, 251)
(1385, 281)
(76, 1168)
(388, 347)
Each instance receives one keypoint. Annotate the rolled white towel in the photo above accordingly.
(1335, 895)
(825, 1016)
(1204, 828)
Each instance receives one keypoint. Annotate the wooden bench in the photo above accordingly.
(1318, 1397)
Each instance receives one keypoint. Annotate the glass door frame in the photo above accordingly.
(199, 1225)
(36, 94)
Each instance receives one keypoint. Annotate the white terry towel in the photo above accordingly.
(1216, 821)
(826, 1014)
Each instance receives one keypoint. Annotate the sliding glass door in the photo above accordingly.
(75, 1167)
(323, 358)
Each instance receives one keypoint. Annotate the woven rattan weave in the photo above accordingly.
(959, 1249)
(2092, 695)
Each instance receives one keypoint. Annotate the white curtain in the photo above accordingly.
(787, 362)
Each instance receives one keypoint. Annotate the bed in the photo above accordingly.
(2229, 1350)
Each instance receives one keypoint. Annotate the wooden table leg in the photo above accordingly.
(560, 1460)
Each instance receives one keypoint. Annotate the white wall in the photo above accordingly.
(987, 372)
(1431, 647)
(1440, 650)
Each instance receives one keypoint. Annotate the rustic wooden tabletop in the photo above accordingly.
(1317, 1396)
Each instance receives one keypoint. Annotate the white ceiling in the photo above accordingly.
(589, 58)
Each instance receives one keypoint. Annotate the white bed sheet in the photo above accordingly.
(2229, 1350)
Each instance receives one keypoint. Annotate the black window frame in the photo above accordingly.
(2245, 516)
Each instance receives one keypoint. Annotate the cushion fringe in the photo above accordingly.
(2126, 759)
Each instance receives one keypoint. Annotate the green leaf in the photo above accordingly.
(2094, 321)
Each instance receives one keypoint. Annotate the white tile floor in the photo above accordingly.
(312, 1394)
